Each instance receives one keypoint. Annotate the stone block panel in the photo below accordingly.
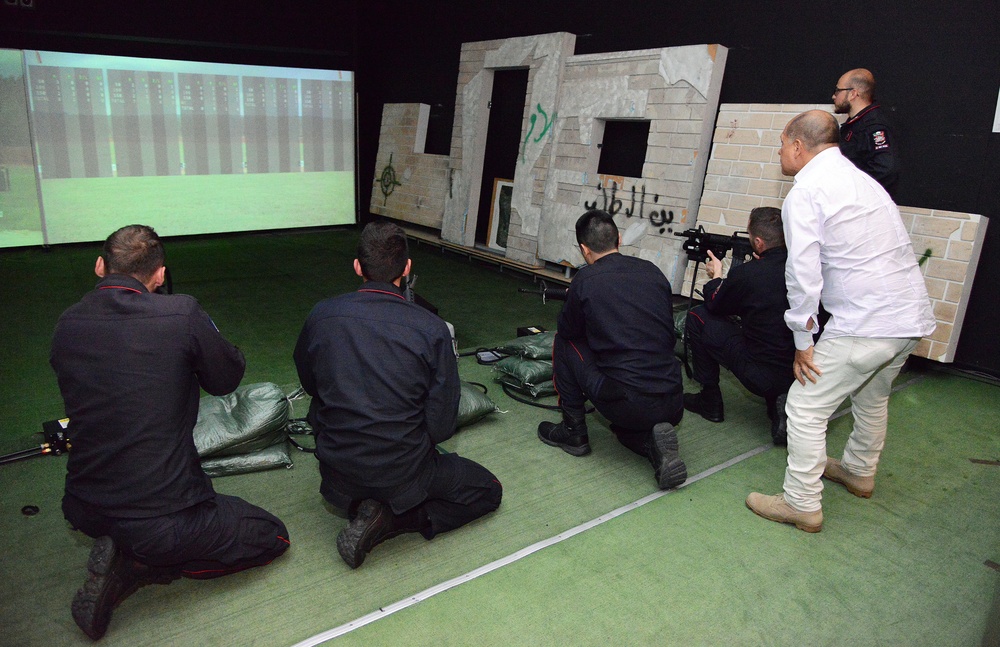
(744, 172)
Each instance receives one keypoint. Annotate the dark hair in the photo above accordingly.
(765, 223)
(813, 128)
(383, 251)
(597, 230)
(134, 250)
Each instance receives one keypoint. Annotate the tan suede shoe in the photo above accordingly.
(776, 508)
(861, 486)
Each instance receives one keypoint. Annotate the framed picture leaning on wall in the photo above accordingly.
(500, 213)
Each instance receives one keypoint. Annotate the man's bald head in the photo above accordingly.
(862, 81)
(855, 91)
(805, 136)
(816, 130)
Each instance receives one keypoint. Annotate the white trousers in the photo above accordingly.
(861, 368)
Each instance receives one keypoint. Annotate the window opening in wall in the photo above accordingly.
(439, 124)
(623, 149)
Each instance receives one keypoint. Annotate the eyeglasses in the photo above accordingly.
(837, 90)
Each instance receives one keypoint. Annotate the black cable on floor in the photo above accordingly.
(506, 389)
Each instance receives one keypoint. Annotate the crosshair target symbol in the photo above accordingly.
(387, 181)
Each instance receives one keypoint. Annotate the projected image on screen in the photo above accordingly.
(188, 147)
(20, 216)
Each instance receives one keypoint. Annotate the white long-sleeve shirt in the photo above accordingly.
(847, 246)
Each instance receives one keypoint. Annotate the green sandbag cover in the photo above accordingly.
(262, 459)
(534, 390)
(532, 376)
(680, 320)
(543, 389)
(473, 405)
(530, 346)
(249, 419)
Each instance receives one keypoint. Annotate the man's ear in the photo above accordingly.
(357, 268)
(406, 270)
(99, 268)
(159, 277)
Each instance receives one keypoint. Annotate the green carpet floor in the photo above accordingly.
(692, 567)
(695, 567)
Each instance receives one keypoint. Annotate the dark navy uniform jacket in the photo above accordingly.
(755, 292)
(622, 307)
(131, 366)
(384, 380)
(867, 141)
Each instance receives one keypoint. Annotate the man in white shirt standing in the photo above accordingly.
(847, 246)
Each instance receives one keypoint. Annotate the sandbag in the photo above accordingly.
(539, 390)
(680, 322)
(473, 405)
(534, 390)
(533, 376)
(263, 459)
(247, 420)
(530, 346)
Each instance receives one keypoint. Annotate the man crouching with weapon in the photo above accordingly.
(759, 350)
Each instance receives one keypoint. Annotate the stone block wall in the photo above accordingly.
(544, 56)
(409, 184)
(675, 90)
(569, 100)
(744, 172)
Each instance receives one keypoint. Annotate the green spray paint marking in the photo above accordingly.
(531, 128)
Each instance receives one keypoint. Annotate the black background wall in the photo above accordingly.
(937, 66)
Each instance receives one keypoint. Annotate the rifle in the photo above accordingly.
(699, 242)
(554, 294)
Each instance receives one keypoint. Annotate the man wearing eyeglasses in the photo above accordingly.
(865, 138)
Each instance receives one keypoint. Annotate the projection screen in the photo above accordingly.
(91, 143)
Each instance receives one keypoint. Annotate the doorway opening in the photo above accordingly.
(503, 135)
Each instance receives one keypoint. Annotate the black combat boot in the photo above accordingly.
(374, 523)
(779, 420)
(570, 435)
(110, 579)
(112, 576)
(707, 404)
(668, 468)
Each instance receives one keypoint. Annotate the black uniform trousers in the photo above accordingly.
(458, 491)
(210, 539)
(632, 414)
(714, 341)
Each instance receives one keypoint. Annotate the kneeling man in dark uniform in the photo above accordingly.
(131, 365)
(383, 378)
(614, 346)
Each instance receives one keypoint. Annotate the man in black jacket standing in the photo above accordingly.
(866, 137)
(614, 346)
(131, 365)
(759, 350)
(384, 383)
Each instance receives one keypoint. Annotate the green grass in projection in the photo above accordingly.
(91, 208)
(20, 224)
